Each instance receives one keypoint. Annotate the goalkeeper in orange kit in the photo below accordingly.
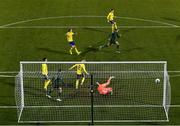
(103, 88)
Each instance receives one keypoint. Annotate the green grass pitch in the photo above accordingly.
(150, 31)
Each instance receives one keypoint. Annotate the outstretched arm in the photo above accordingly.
(72, 67)
(109, 80)
(84, 68)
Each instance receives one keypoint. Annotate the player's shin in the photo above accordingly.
(77, 83)
(83, 79)
(77, 51)
(103, 46)
(46, 83)
(49, 91)
(59, 92)
(70, 51)
(117, 47)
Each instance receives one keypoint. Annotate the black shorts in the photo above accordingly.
(45, 77)
(57, 83)
(79, 76)
(56, 86)
(112, 21)
(111, 42)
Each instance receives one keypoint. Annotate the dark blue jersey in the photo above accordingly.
(57, 81)
(114, 36)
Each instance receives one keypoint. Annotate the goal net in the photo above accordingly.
(136, 96)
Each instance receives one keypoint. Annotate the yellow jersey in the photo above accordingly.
(80, 68)
(110, 16)
(114, 27)
(44, 69)
(69, 36)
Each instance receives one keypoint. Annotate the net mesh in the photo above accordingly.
(18, 95)
(136, 96)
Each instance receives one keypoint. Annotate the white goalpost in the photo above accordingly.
(136, 96)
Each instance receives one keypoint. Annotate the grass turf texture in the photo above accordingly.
(136, 43)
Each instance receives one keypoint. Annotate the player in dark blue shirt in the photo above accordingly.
(57, 83)
(112, 40)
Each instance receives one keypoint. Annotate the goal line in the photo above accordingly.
(86, 106)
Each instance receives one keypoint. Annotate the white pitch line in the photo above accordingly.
(85, 106)
(11, 72)
(175, 75)
(6, 76)
(176, 71)
(99, 27)
(8, 72)
(86, 16)
(175, 106)
(148, 20)
(7, 107)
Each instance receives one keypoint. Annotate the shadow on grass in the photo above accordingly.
(127, 30)
(51, 50)
(95, 29)
(178, 38)
(9, 82)
(133, 49)
(89, 49)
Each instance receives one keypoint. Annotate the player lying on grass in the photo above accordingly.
(57, 83)
(46, 80)
(69, 36)
(80, 71)
(110, 17)
(113, 38)
(103, 88)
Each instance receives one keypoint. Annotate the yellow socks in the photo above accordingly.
(83, 79)
(46, 83)
(70, 51)
(77, 83)
(77, 51)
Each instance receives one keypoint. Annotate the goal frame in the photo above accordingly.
(95, 62)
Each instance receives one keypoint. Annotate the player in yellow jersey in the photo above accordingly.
(110, 17)
(80, 70)
(44, 69)
(114, 27)
(69, 36)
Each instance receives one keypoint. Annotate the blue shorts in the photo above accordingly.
(79, 76)
(72, 43)
(112, 21)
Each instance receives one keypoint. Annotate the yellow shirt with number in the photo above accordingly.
(69, 36)
(80, 68)
(110, 16)
(44, 69)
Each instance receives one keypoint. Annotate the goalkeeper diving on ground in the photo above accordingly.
(103, 88)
